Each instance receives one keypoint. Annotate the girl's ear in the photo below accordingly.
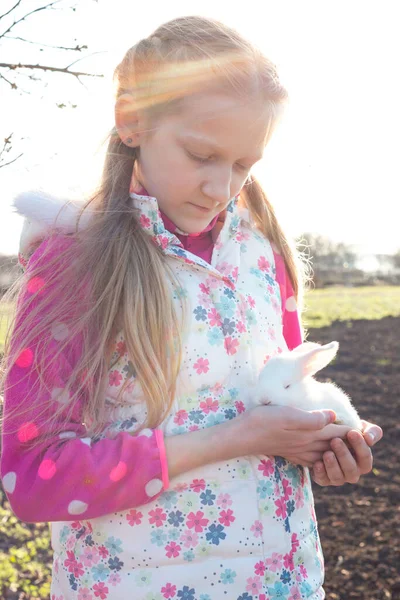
(313, 360)
(127, 120)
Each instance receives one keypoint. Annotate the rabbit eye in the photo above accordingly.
(287, 386)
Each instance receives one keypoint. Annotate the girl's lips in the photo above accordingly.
(202, 208)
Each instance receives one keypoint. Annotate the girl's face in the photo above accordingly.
(195, 161)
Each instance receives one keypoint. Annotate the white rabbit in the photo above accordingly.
(287, 380)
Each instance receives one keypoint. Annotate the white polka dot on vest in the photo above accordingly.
(153, 487)
(59, 331)
(9, 480)
(291, 304)
(60, 395)
(146, 432)
(86, 441)
(67, 434)
(77, 507)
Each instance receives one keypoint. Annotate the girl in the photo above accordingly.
(139, 326)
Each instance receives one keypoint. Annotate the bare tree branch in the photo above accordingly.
(11, 9)
(10, 161)
(28, 15)
(7, 142)
(12, 84)
(27, 76)
(77, 47)
(7, 148)
(76, 74)
(28, 70)
(84, 58)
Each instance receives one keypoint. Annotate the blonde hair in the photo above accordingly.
(131, 286)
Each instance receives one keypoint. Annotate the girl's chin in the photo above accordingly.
(194, 227)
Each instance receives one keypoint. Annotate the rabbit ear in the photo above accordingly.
(313, 360)
(305, 346)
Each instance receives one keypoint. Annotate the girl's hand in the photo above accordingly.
(300, 436)
(344, 465)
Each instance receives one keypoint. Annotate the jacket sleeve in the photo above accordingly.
(69, 474)
(292, 330)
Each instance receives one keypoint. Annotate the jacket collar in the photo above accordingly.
(151, 221)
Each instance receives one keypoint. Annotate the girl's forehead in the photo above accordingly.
(224, 119)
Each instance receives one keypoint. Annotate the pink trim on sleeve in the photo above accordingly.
(163, 457)
(292, 331)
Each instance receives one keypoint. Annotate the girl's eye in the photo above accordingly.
(287, 386)
(243, 168)
(201, 159)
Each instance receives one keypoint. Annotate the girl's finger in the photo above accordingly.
(312, 457)
(362, 451)
(319, 474)
(333, 470)
(372, 433)
(320, 446)
(334, 431)
(297, 418)
(346, 461)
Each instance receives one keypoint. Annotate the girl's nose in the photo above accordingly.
(218, 187)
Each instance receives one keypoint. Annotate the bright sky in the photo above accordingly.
(333, 165)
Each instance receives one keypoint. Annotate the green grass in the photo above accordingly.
(348, 304)
(25, 557)
(5, 310)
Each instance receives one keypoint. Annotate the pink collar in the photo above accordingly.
(172, 228)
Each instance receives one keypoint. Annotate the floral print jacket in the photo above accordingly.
(243, 529)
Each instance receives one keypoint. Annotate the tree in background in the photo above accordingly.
(326, 254)
(396, 260)
(331, 261)
(17, 74)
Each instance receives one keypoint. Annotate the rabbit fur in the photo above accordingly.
(286, 380)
